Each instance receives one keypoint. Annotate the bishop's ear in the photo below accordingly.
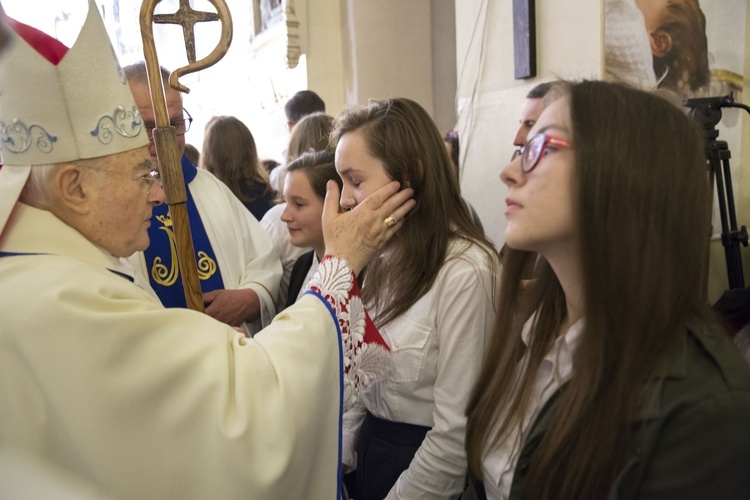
(661, 42)
(72, 189)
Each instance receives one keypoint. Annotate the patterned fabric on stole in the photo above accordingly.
(161, 255)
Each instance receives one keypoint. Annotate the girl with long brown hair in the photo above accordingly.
(229, 152)
(431, 295)
(606, 376)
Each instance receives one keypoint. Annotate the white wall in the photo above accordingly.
(387, 50)
(323, 46)
(491, 100)
(360, 49)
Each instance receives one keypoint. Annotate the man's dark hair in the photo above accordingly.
(540, 90)
(303, 103)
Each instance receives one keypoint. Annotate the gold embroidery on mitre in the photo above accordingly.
(166, 276)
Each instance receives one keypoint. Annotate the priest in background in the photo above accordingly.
(239, 270)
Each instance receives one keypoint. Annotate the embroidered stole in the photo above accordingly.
(161, 255)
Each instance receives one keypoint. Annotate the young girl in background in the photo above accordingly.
(304, 192)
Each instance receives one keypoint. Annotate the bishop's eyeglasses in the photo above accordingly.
(146, 179)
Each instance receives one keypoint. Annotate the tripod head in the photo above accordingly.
(707, 112)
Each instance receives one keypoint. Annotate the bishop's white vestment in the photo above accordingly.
(97, 377)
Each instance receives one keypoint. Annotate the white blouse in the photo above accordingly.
(437, 347)
(555, 369)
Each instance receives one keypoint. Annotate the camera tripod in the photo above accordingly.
(707, 111)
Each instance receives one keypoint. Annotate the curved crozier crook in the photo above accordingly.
(185, 17)
(225, 18)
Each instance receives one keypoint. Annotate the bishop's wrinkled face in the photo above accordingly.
(361, 172)
(124, 192)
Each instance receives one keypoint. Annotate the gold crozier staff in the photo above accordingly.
(165, 138)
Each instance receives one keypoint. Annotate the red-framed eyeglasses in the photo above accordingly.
(534, 148)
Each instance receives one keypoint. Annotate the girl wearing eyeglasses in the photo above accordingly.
(607, 377)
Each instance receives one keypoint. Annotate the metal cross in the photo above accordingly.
(187, 17)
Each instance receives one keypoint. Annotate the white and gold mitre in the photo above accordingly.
(80, 108)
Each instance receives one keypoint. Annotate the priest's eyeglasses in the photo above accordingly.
(181, 125)
(534, 149)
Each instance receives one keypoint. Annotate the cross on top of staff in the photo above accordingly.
(187, 17)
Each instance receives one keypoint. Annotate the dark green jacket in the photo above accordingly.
(694, 440)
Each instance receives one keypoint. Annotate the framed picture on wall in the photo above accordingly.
(695, 48)
(266, 13)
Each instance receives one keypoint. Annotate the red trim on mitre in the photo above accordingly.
(52, 49)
